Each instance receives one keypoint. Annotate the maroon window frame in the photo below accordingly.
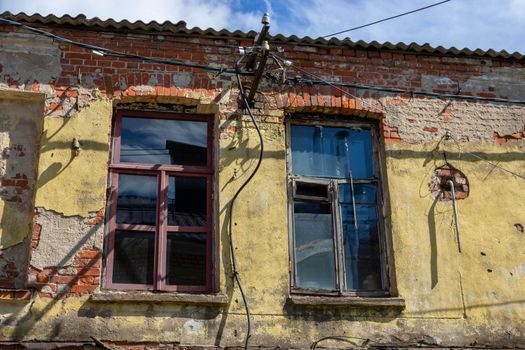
(161, 229)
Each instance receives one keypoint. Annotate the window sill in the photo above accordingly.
(150, 297)
(314, 300)
(15, 295)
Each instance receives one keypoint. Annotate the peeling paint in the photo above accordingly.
(20, 127)
(20, 51)
(84, 176)
(72, 232)
(451, 299)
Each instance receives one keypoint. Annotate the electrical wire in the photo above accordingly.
(298, 80)
(485, 160)
(112, 53)
(347, 339)
(325, 82)
(386, 19)
(232, 202)
(317, 80)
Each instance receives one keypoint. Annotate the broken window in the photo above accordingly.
(160, 224)
(337, 237)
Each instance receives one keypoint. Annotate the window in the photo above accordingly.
(337, 237)
(160, 211)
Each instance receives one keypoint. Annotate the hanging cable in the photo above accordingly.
(299, 80)
(334, 85)
(485, 160)
(318, 81)
(101, 51)
(386, 19)
(232, 202)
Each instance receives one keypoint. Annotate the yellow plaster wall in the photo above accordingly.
(482, 282)
(20, 124)
(69, 184)
(451, 298)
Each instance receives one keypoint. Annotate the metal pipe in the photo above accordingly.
(353, 203)
(451, 183)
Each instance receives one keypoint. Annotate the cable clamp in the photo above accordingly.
(221, 70)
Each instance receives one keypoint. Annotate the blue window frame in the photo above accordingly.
(337, 236)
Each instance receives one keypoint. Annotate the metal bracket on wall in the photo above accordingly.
(250, 64)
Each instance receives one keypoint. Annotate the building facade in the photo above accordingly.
(387, 210)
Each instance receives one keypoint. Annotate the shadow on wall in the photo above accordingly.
(433, 244)
(26, 320)
(56, 168)
(20, 128)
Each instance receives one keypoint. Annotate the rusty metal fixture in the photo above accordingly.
(451, 184)
(75, 145)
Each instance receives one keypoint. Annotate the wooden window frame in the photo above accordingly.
(387, 278)
(161, 229)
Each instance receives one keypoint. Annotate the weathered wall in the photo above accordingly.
(451, 299)
(21, 126)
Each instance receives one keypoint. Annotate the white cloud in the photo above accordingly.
(461, 23)
(200, 13)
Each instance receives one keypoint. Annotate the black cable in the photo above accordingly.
(113, 53)
(344, 338)
(299, 80)
(232, 202)
(337, 85)
(386, 19)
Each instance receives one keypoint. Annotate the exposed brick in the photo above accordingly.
(88, 272)
(89, 254)
(82, 289)
(41, 278)
(8, 182)
(15, 295)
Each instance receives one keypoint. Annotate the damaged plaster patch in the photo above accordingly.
(13, 264)
(181, 79)
(422, 120)
(192, 329)
(519, 270)
(501, 81)
(62, 237)
(19, 51)
(143, 88)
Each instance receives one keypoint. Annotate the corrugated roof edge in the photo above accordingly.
(181, 28)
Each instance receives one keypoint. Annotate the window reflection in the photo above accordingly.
(186, 259)
(137, 199)
(314, 246)
(331, 152)
(163, 141)
(361, 248)
(187, 201)
(133, 257)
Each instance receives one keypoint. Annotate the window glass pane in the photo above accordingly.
(314, 246)
(186, 259)
(187, 201)
(133, 257)
(361, 250)
(311, 189)
(137, 199)
(331, 152)
(163, 141)
(362, 193)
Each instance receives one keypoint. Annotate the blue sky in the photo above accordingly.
(485, 24)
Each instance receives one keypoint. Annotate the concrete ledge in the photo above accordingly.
(15, 295)
(150, 297)
(315, 300)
